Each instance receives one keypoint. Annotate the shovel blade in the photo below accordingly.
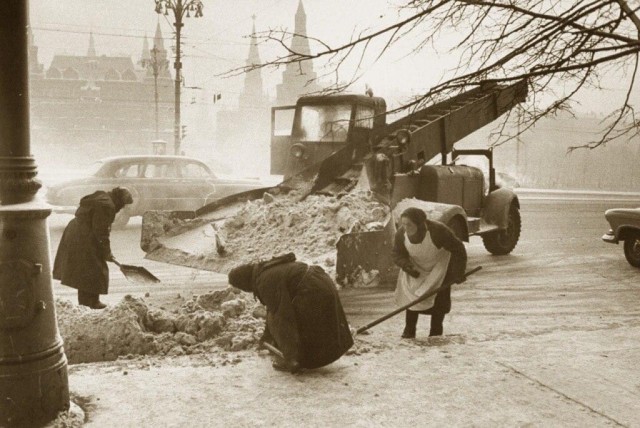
(138, 274)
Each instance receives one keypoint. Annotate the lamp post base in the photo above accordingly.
(33, 367)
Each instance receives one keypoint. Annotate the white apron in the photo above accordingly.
(432, 263)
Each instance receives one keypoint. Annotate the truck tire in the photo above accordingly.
(504, 241)
(632, 249)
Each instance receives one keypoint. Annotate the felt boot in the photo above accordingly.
(436, 324)
(411, 321)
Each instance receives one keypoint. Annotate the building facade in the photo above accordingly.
(92, 106)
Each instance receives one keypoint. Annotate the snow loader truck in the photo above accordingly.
(334, 144)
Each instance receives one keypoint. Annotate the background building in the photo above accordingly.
(91, 106)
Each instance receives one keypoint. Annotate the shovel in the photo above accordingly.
(410, 304)
(137, 274)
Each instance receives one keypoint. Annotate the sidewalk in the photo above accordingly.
(545, 380)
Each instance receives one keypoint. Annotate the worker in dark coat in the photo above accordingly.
(429, 255)
(85, 248)
(305, 318)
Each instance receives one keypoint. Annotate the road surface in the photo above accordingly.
(552, 223)
(547, 336)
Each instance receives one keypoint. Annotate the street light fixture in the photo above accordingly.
(156, 65)
(180, 9)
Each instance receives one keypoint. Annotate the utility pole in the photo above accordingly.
(180, 9)
(156, 67)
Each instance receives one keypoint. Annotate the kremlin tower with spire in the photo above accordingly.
(246, 129)
(298, 78)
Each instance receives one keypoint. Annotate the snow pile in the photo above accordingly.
(225, 319)
(272, 226)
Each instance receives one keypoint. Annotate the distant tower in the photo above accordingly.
(243, 133)
(145, 56)
(161, 55)
(91, 90)
(253, 95)
(92, 49)
(298, 78)
(35, 68)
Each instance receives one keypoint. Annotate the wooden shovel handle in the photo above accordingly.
(273, 349)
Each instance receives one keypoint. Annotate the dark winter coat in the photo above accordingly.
(304, 313)
(441, 236)
(85, 247)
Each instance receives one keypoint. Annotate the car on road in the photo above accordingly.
(625, 226)
(157, 182)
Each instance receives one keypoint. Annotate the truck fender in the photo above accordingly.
(497, 205)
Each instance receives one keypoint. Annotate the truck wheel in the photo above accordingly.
(504, 241)
(121, 220)
(632, 249)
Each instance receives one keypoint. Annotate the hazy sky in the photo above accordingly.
(212, 44)
(217, 42)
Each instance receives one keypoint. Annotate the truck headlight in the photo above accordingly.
(297, 151)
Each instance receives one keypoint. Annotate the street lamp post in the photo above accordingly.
(33, 368)
(156, 67)
(180, 9)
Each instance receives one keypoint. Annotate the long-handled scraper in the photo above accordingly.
(362, 329)
(410, 304)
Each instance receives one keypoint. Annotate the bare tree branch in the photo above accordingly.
(553, 44)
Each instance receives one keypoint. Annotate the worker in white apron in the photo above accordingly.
(429, 255)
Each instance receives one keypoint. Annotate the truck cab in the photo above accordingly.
(318, 126)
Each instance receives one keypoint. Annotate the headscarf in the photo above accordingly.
(121, 196)
(419, 218)
(242, 277)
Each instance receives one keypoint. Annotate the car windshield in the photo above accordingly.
(92, 170)
(325, 123)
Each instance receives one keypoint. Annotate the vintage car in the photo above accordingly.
(157, 183)
(625, 226)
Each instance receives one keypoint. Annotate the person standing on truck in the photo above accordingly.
(305, 319)
(85, 248)
(429, 255)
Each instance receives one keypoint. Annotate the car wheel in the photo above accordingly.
(121, 220)
(504, 241)
(632, 249)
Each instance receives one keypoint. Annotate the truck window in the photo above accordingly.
(364, 117)
(283, 122)
(325, 123)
